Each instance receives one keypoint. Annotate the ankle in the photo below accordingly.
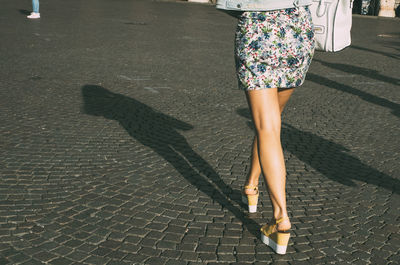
(284, 223)
(250, 190)
(280, 212)
(251, 182)
(280, 216)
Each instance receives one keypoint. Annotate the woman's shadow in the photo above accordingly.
(160, 132)
(329, 158)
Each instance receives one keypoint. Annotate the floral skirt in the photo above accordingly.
(274, 48)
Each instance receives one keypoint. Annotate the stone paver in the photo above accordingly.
(124, 141)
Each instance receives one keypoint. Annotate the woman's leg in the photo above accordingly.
(255, 168)
(266, 112)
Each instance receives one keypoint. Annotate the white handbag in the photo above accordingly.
(332, 24)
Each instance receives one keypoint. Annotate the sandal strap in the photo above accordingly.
(251, 187)
(280, 220)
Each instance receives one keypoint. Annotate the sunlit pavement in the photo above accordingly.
(124, 140)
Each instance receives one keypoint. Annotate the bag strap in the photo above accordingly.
(321, 9)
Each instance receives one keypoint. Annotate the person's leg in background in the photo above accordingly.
(35, 9)
(365, 7)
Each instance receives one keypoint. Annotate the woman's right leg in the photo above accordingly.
(275, 182)
(255, 167)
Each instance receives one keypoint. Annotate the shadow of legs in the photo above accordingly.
(159, 132)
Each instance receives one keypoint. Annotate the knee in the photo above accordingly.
(267, 127)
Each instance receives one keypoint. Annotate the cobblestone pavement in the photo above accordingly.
(125, 141)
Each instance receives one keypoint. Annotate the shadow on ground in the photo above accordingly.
(329, 158)
(367, 73)
(394, 107)
(160, 132)
(390, 55)
(24, 12)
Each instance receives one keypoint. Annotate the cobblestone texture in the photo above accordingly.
(125, 141)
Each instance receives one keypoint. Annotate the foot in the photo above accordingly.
(34, 15)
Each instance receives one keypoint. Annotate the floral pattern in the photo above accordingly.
(274, 48)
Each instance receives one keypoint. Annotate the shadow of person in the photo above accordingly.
(360, 71)
(394, 107)
(377, 51)
(160, 132)
(329, 158)
(24, 12)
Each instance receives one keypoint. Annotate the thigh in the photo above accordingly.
(265, 109)
(283, 97)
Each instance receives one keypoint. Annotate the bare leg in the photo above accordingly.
(255, 167)
(266, 111)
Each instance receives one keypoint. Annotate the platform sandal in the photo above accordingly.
(277, 240)
(251, 199)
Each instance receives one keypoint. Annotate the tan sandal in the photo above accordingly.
(277, 240)
(251, 199)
